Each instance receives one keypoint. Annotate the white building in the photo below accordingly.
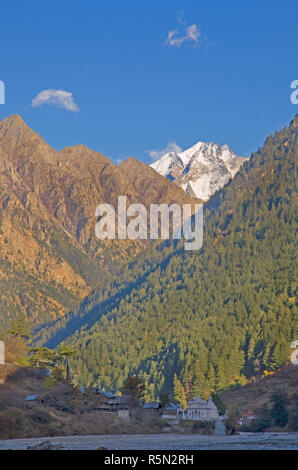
(247, 418)
(199, 409)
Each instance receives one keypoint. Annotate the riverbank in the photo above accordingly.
(244, 441)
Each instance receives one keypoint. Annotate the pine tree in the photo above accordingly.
(279, 413)
(179, 393)
(20, 328)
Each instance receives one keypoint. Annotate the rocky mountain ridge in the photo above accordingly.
(49, 255)
(201, 170)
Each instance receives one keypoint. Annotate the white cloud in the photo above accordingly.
(60, 98)
(171, 147)
(190, 33)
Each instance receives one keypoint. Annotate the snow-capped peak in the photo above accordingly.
(166, 163)
(202, 169)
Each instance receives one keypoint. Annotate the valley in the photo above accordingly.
(200, 321)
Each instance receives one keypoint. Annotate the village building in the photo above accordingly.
(199, 409)
(170, 411)
(41, 372)
(31, 399)
(154, 406)
(246, 418)
(106, 402)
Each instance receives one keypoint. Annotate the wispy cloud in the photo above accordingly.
(189, 33)
(59, 98)
(158, 153)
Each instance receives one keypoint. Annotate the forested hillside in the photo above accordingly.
(213, 316)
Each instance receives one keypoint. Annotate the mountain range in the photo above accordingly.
(201, 170)
(50, 258)
(207, 319)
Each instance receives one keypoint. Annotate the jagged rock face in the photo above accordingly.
(49, 255)
(200, 170)
(68, 185)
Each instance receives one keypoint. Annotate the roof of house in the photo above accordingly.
(172, 406)
(152, 405)
(249, 413)
(41, 371)
(31, 397)
(106, 394)
(118, 399)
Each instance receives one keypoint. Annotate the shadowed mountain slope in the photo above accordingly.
(215, 316)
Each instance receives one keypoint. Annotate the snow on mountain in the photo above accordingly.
(200, 170)
(167, 163)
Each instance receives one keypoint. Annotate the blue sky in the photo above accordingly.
(227, 82)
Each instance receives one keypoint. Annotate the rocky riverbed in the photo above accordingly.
(246, 441)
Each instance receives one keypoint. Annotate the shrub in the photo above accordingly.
(261, 423)
(12, 422)
(293, 422)
(41, 416)
(203, 427)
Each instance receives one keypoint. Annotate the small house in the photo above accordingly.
(105, 402)
(170, 411)
(31, 400)
(41, 372)
(246, 418)
(153, 406)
